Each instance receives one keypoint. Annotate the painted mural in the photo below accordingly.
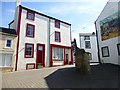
(110, 27)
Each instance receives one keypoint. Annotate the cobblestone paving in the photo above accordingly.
(29, 78)
(101, 76)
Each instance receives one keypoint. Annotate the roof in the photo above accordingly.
(44, 15)
(8, 31)
(87, 34)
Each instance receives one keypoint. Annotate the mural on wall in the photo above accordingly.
(109, 27)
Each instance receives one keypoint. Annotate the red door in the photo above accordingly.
(66, 58)
(40, 55)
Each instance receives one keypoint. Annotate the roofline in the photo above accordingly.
(101, 12)
(44, 15)
(87, 34)
(8, 34)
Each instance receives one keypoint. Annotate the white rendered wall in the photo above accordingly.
(40, 37)
(64, 32)
(110, 8)
(93, 50)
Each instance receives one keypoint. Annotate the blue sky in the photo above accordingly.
(81, 14)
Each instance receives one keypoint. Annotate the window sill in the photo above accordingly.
(30, 19)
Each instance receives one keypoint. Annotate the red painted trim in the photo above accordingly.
(43, 54)
(32, 50)
(28, 11)
(59, 36)
(30, 64)
(64, 57)
(57, 46)
(57, 21)
(60, 46)
(51, 61)
(18, 33)
(27, 30)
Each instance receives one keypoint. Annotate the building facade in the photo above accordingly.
(107, 28)
(7, 50)
(42, 40)
(88, 42)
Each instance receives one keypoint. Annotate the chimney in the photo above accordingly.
(18, 2)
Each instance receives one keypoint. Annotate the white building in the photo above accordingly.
(107, 27)
(42, 40)
(88, 42)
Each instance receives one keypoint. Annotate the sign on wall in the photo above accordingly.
(109, 27)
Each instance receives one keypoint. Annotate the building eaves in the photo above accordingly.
(44, 15)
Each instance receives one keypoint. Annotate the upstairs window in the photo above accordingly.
(57, 37)
(30, 30)
(29, 50)
(57, 24)
(8, 43)
(30, 15)
(86, 37)
(87, 45)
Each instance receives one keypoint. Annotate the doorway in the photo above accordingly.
(40, 57)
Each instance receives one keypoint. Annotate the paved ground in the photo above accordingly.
(102, 76)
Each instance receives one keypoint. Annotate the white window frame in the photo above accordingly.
(59, 50)
(6, 42)
(4, 56)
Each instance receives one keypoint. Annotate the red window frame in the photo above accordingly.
(56, 32)
(57, 21)
(31, 13)
(32, 50)
(30, 64)
(27, 30)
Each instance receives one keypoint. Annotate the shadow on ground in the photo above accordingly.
(102, 76)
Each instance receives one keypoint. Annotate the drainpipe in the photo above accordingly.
(48, 43)
(97, 44)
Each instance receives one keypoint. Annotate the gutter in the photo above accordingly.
(97, 44)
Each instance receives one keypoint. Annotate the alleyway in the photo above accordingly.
(102, 76)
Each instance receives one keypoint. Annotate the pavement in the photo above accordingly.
(101, 76)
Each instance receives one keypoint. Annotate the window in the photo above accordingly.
(57, 37)
(58, 53)
(30, 30)
(87, 45)
(30, 15)
(90, 56)
(29, 50)
(8, 43)
(6, 60)
(57, 24)
(105, 51)
(118, 47)
(86, 37)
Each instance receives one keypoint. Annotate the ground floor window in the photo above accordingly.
(58, 54)
(6, 60)
(118, 47)
(105, 51)
(29, 50)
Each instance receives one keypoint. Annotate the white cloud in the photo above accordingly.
(12, 11)
(90, 7)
